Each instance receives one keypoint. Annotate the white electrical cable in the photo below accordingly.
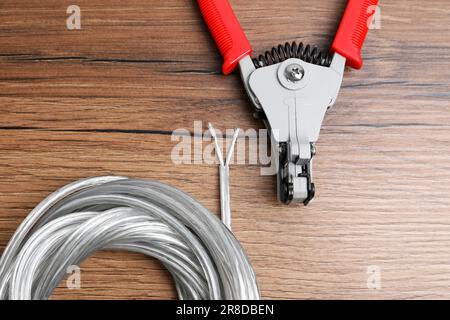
(203, 256)
(224, 174)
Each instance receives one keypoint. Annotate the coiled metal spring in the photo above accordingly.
(293, 50)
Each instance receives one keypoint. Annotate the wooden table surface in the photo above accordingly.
(105, 99)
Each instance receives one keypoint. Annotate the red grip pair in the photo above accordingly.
(234, 45)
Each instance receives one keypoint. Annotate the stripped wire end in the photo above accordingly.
(224, 171)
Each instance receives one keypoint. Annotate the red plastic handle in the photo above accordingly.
(226, 31)
(353, 30)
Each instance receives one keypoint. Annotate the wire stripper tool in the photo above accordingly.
(291, 87)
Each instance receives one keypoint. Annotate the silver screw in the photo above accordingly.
(294, 72)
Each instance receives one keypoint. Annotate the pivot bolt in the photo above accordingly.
(294, 72)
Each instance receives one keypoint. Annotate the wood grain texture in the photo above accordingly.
(105, 99)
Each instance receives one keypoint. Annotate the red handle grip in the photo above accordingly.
(353, 30)
(226, 31)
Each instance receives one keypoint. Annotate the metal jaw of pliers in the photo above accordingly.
(293, 96)
(291, 87)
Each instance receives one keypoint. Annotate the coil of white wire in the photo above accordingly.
(204, 258)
